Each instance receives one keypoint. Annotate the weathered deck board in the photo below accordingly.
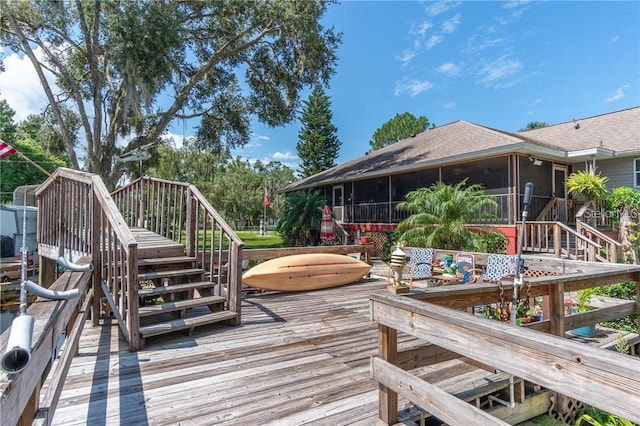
(298, 358)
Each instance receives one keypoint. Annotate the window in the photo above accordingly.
(636, 172)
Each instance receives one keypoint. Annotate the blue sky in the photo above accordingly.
(498, 64)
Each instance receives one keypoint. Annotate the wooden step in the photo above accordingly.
(179, 305)
(155, 261)
(181, 324)
(169, 274)
(162, 290)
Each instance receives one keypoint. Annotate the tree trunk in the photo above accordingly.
(627, 237)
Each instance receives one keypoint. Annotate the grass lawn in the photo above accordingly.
(253, 239)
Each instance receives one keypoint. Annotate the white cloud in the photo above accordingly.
(433, 41)
(412, 87)
(436, 8)
(449, 68)
(420, 29)
(498, 70)
(614, 39)
(619, 94)
(406, 56)
(450, 105)
(450, 25)
(477, 43)
(284, 156)
(20, 86)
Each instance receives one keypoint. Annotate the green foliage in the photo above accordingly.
(318, 145)
(592, 187)
(596, 417)
(627, 291)
(390, 240)
(220, 63)
(439, 215)
(15, 171)
(492, 242)
(400, 127)
(583, 299)
(7, 125)
(234, 187)
(300, 219)
(534, 125)
(624, 197)
(627, 203)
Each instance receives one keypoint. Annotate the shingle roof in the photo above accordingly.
(617, 131)
(464, 140)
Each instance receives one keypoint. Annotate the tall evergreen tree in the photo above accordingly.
(318, 144)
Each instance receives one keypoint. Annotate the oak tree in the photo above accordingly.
(134, 67)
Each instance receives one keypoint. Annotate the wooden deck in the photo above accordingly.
(298, 358)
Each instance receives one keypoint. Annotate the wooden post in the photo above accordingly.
(142, 207)
(388, 351)
(96, 258)
(192, 219)
(133, 308)
(557, 241)
(556, 308)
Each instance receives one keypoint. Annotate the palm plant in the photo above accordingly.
(439, 215)
(300, 219)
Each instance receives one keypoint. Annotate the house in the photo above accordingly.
(364, 192)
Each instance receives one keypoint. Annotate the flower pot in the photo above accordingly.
(586, 331)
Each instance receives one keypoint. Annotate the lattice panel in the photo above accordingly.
(377, 241)
(565, 409)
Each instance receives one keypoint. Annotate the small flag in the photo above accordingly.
(6, 150)
(266, 198)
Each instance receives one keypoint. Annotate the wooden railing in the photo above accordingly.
(612, 249)
(180, 212)
(79, 218)
(574, 370)
(558, 239)
(34, 392)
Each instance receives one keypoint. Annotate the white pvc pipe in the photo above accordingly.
(51, 294)
(74, 267)
(18, 353)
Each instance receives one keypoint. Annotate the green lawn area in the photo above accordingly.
(253, 239)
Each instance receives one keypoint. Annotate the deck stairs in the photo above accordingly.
(174, 292)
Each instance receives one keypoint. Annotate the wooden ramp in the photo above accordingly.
(297, 358)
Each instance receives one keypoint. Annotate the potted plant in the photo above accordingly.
(583, 304)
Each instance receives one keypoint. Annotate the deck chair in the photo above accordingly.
(419, 266)
(499, 265)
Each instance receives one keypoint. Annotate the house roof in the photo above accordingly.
(616, 131)
(464, 141)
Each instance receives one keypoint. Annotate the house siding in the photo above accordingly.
(619, 172)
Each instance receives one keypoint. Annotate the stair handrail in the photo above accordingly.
(179, 211)
(592, 248)
(78, 217)
(235, 247)
(614, 248)
(339, 231)
(537, 234)
(548, 210)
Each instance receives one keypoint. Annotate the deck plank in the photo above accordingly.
(297, 358)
